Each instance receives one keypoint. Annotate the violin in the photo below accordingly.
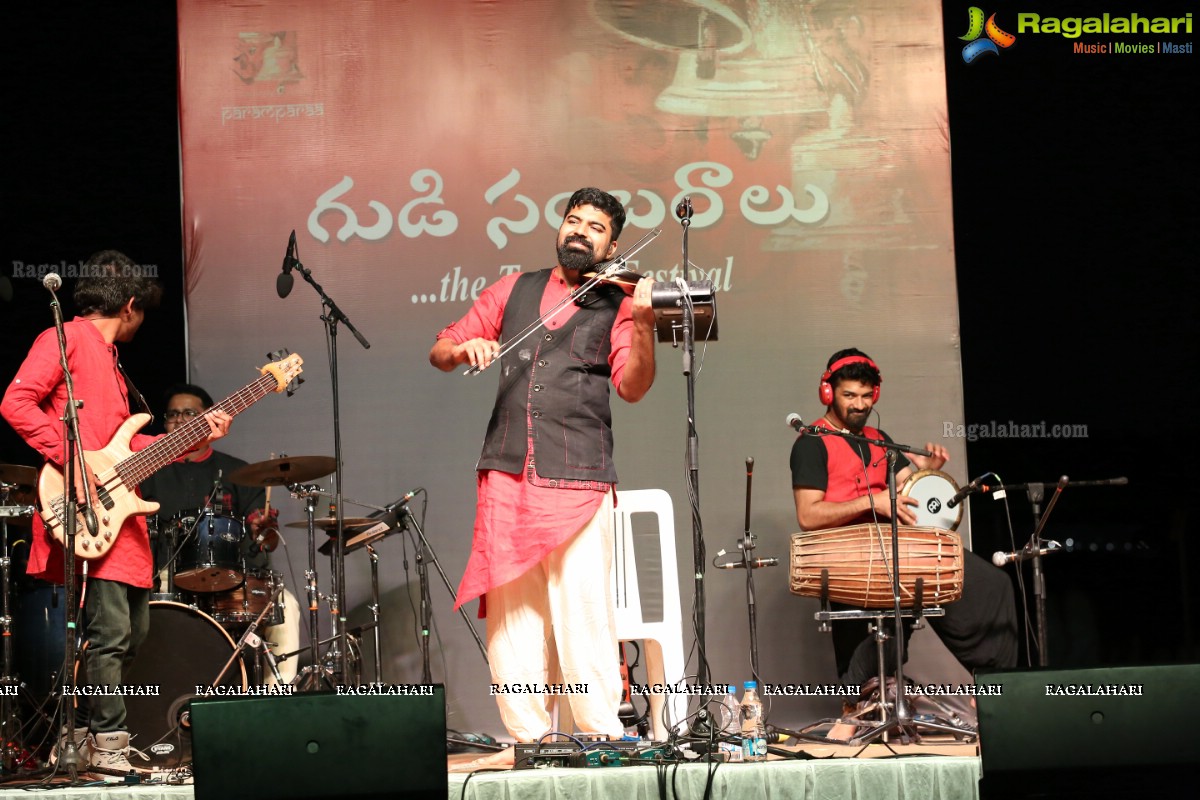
(617, 275)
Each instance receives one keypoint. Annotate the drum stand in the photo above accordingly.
(10, 685)
(313, 677)
(262, 650)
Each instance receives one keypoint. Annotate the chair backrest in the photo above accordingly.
(645, 577)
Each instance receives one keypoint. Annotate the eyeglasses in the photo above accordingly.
(189, 413)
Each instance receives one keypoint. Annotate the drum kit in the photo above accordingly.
(204, 625)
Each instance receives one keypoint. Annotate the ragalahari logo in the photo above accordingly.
(976, 28)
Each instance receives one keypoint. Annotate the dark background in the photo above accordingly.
(1075, 225)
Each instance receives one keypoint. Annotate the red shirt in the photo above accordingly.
(518, 522)
(33, 405)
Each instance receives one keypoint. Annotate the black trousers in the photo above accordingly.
(980, 628)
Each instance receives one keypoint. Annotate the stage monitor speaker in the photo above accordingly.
(320, 745)
(1105, 732)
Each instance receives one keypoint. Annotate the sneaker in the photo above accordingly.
(110, 754)
(83, 746)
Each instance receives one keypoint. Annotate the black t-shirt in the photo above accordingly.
(810, 460)
(185, 486)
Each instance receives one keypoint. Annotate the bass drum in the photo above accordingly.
(185, 648)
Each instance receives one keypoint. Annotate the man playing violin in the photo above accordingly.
(838, 482)
(545, 481)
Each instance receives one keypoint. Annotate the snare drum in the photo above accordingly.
(242, 605)
(209, 546)
(932, 489)
(858, 574)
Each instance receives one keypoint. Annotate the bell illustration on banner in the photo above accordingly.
(750, 66)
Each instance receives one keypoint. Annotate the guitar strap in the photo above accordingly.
(134, 394)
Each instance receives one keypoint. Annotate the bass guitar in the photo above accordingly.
(119, 470)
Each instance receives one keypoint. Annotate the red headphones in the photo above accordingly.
(826, 389)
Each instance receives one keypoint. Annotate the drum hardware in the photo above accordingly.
(315, 676)
(12, 479)
(262, 649)
(393, 518)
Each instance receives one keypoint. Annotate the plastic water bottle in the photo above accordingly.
(754, 731)
(731, 722)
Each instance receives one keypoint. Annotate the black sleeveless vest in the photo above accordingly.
(562, 378)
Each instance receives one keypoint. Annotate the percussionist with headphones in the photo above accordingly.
(837, 482)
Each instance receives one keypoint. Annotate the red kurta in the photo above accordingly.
(518, 523)
(34, 403)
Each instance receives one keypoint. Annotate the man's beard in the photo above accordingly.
(571, 258)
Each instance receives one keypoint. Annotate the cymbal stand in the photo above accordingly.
(374, 556)
(10, 686)
(314, 676)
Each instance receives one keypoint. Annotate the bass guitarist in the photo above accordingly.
(111, 296)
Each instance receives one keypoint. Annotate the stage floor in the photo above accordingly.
(877, 772)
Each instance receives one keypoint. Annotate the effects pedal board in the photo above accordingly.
(594, 753)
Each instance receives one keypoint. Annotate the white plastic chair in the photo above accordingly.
(657, 623)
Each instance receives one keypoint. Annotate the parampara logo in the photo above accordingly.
(976, 28)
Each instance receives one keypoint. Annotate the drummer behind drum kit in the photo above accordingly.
(212, 610)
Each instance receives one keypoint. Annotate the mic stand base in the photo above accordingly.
(888, 721)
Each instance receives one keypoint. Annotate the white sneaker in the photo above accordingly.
(83, 746)
(110, 754)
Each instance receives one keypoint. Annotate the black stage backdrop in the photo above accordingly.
(1075, 208)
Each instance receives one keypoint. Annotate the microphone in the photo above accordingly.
(1000, 558)
(52, 281)
(962, 493)
(283, 283)
(684, 209)
(794, 421)
(755, 563)
(404, 500)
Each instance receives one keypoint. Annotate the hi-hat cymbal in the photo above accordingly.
(283, 471)
(329, 524)
(15, 473)
(24, 479)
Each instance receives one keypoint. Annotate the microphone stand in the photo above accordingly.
(69, 758)
(331, 315)
(1036, 493)
(687, 325)
(747, 545)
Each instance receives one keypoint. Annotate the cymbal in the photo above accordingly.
(282, 471)
(15, 473)
(329, 524)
